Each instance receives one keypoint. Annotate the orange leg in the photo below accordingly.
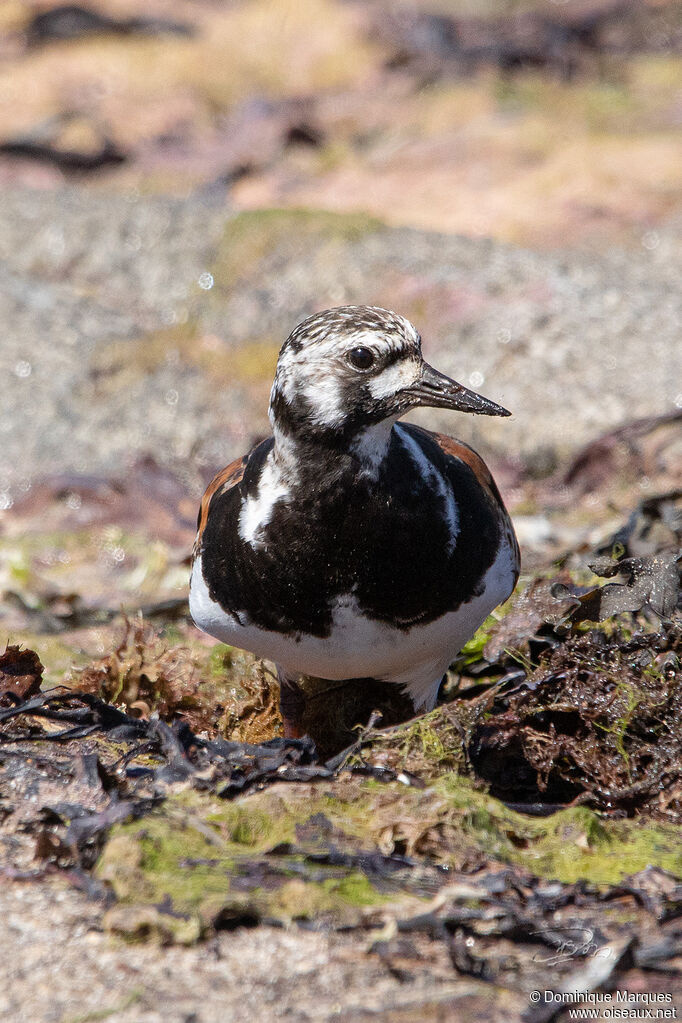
(291, 704)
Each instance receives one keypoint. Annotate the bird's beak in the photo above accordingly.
(436, 390)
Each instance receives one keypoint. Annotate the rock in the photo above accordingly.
(152, 325)
(20, 674)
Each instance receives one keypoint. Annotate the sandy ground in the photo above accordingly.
(63, 969)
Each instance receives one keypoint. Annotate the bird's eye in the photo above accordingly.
(361, 358)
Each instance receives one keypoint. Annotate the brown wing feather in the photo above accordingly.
(467, 455)
(230, 476)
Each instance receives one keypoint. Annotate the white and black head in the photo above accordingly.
(349, 368)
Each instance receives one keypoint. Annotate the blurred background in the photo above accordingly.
(182, 182)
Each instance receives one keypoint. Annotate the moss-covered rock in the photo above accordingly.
(310, 851)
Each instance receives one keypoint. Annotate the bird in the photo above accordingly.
(348, 545)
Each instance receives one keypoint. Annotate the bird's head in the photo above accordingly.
(346, 369)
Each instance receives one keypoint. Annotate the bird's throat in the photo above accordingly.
(364, 452)
(370, 446)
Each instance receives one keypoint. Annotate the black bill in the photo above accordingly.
(436, 390)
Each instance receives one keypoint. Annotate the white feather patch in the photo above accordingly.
(371, 446)
(394, 378)
(207, 614)
(323, 395)
(257, 509)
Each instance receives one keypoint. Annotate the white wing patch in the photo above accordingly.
(434, 478)
(208, 615)
(257, 509)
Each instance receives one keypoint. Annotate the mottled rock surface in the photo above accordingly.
(148, 325)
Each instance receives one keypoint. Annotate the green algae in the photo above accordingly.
(429, 744)
(250, 827)
(210, 866)
(355, 889)
(220, 658)
(573, 844)
(211, 861)
(432, 743)
(473, 649)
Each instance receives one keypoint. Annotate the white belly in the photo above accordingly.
(359, 647)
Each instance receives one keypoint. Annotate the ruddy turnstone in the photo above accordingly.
(347, 545)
